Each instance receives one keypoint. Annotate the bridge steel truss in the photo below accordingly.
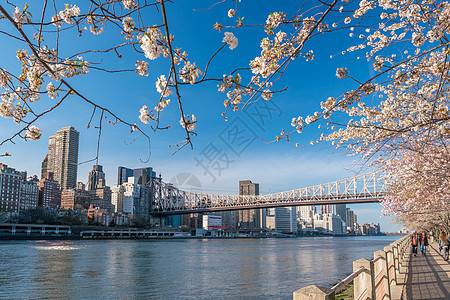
(364, 188)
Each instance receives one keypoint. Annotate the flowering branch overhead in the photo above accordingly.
(397, 111)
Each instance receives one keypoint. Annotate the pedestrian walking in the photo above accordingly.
(423, 243)
(414, 243)
(444, 244)
(431, 237)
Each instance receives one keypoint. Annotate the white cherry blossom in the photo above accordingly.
(33, 133)
(230, 39)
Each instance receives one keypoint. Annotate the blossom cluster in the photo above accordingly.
(52, 93)
(33, 133)
(190, 72)
(5, 78)
(231, 40)
(129, 4)
(141, 68)
(67, 15)
(144, 115)
(189, 122)
(128, 24)
(19, 17)
(151, 43)
(162, 86)
(273, 21)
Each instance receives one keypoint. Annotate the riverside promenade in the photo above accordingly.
(428, 276)
(392, 274)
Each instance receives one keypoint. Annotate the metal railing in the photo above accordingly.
(344, 282)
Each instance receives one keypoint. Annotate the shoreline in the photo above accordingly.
(77, 237)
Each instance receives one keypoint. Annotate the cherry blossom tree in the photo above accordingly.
(419, 193)
(46, 71)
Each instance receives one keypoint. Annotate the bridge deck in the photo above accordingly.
(428, 276)
(233, 207)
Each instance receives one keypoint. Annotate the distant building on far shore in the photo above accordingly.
(95, 176)
(249, 219)
(75, 199)
(10, 186)
(351, 219)
(49, 192)
(29, 194)
(285, 220)
(123, 174)
(143, 175)
(62, 157)
(212, 222)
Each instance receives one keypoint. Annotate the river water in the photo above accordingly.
(270, 268)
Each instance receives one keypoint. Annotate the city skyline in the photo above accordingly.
(362, 210)
(276, 166)
(98, 168)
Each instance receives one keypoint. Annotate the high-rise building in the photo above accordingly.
(341, 211)
(10, 188)
(132, 198)
(49, 192)
(306, 213)
(144, 175)
(329, 223)
(117, 193)
(123, 174)
(101, 196)
(62, 157)
(95, 175)
(250, 218)
(29, 194)
(44, 167)
(327, 209)
(285, 220)
(81, 186)
(350, 218)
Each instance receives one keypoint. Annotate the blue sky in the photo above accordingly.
(276, 166)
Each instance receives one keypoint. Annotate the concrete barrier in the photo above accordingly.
(381, 278)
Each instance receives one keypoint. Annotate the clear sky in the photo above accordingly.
(220, 158)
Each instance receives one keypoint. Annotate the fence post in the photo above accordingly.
(382, 266)
(395, 251)
(404, 252)
(363, 285)
(390, 267)
(401, 255)
(314, 292)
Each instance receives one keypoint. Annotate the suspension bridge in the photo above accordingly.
(363, 188)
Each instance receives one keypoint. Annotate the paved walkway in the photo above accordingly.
(428, 276)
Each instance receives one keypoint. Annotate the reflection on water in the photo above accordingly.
(174, 269)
